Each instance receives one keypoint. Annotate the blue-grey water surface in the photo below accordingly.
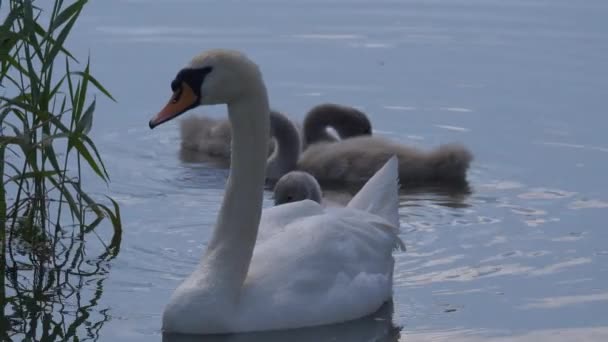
(523, 83)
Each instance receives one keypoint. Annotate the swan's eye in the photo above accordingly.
(192, 77)
(289, 198)
(177, 94)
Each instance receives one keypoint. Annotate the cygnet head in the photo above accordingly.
(297, 186)
(213, 77)
(352, 122)
(347, 121)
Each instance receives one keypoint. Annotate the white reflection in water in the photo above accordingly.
(377, 327)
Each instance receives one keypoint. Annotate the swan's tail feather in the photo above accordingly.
(380, 195)
(394, 232)
(451, 162)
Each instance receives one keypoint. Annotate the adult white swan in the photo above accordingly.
(310, 265)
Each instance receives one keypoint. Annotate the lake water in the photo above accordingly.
(522, 83)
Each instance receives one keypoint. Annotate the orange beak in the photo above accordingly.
(182, 100)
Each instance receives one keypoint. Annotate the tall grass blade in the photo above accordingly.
(46, 214)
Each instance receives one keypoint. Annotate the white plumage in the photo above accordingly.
(289, 266)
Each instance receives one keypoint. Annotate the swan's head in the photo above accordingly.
(355, 124)
(346, 121)
(297, 186)
(214, 77)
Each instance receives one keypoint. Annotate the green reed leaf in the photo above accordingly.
(86, 120)
(95, 82)
(58, 43)
(84, 152)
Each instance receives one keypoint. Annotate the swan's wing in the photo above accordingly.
(331, 266)
(350, 160)
(222, 131)
(275, 219)
(380, 194)
(194, 130)
(206, 135)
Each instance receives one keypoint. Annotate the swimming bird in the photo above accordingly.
(347, 121)
(297, 186)
(288, 266)
(208, 137)
(356, 159)
(211, 137)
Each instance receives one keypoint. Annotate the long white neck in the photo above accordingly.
(226, 261)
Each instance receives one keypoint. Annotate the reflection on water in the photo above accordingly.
(553, 335)
(377, 327)
(48, 297)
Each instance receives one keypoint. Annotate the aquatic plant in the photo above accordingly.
(46, 216)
